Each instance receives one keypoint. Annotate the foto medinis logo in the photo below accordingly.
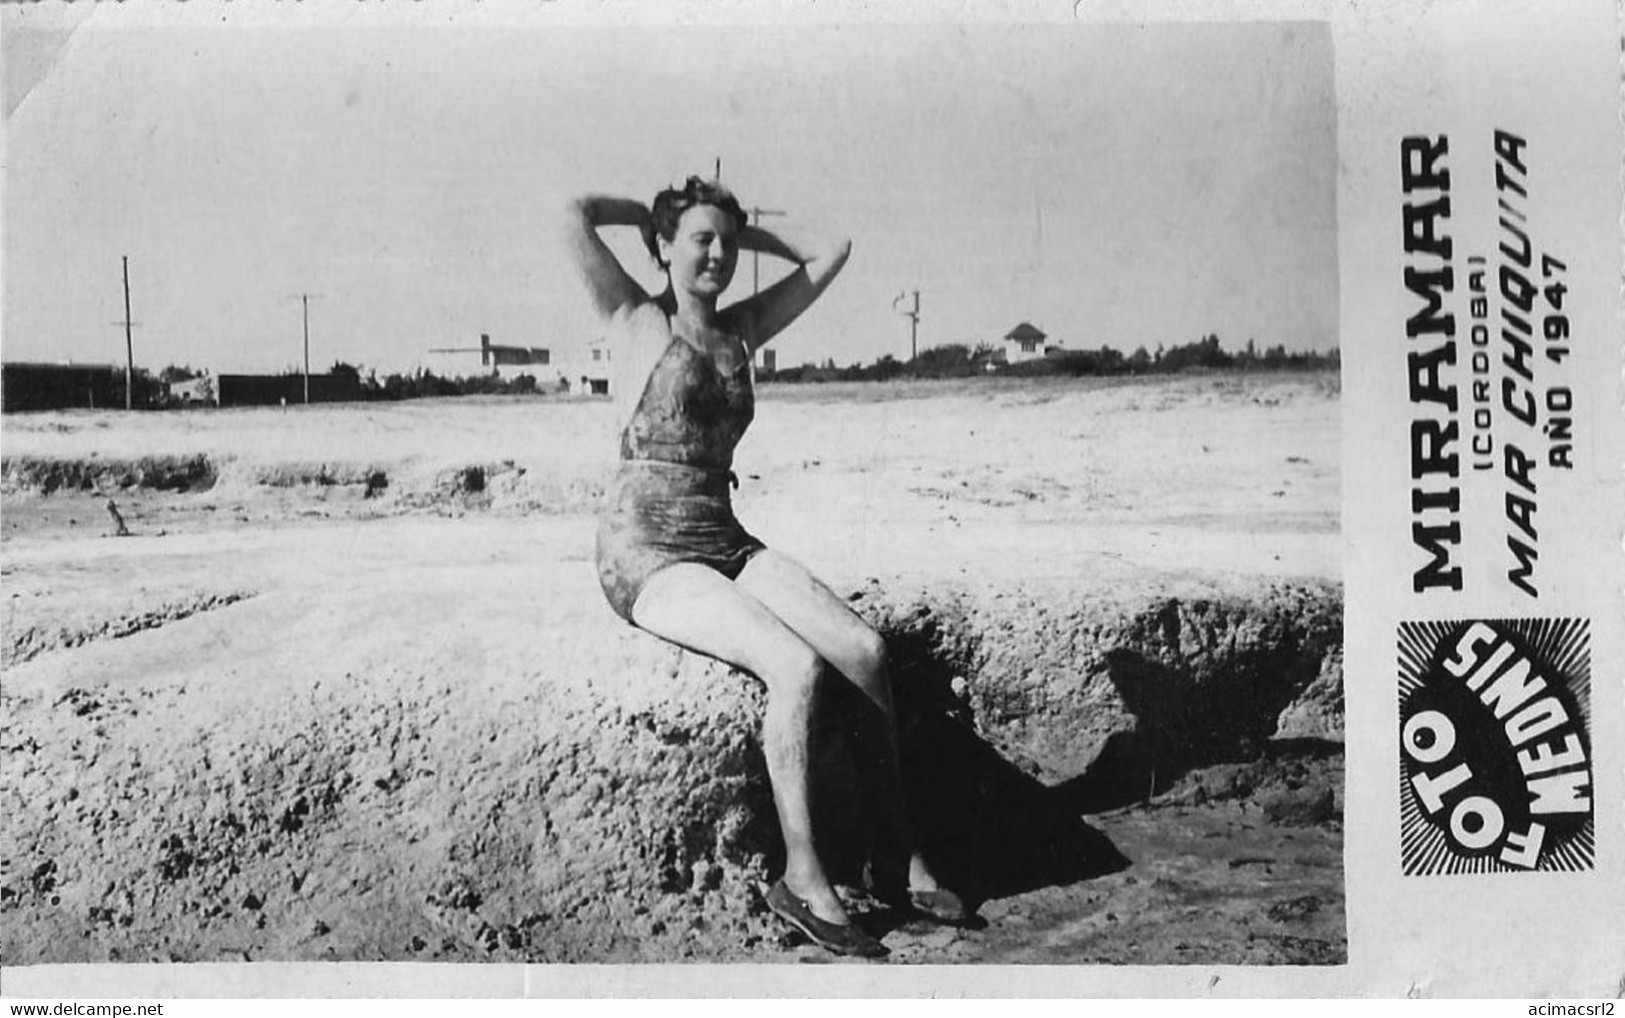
(1495, 747)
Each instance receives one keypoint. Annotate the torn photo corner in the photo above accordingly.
(1174, 450)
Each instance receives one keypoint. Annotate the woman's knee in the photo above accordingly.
(792, 669)
(869, 655)
(863, 660)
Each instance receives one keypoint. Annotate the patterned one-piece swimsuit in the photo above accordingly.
(670, 499)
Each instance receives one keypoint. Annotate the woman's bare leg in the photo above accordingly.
(698, 608)
(840, 636)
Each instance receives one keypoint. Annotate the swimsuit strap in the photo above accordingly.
(688, 413)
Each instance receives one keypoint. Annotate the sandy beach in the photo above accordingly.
(307, 594)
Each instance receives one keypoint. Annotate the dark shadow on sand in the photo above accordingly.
(1181, 725)
(988, 828)
(991, 829)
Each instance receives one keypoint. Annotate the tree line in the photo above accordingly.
(424, 383)
(958, 360)
(154, 390)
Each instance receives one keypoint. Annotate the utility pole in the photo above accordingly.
(129, 342)
(756, 215)
(304, 301)
(912, 310)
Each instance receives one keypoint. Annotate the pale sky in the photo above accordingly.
(1124, 185)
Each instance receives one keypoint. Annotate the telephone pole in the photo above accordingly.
(756, 215)
(129, 341)
(304, 301)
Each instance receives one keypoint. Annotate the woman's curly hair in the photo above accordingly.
(670, 204)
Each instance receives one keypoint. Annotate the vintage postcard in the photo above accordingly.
(1077, 499)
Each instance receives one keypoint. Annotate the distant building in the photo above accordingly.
(25, 386)
(490, 359)
(191, 391)
(595, 369)
(1025, 343)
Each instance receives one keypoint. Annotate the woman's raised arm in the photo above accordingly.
(818, 259)
(611, 287)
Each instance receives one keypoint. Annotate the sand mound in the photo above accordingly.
(582, 792)
(392, 486)
(46, 475)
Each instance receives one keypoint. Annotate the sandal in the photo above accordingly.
(840, 938)
(940, 906)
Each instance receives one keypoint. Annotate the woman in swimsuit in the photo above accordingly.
(672, 558)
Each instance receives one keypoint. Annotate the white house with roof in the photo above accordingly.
(1026, 342)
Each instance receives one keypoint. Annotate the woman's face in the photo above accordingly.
(702, 255)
